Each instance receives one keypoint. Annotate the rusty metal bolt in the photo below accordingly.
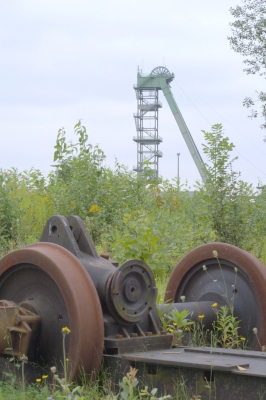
(105, 255)
(118, 336)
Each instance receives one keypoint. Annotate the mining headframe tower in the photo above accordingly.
(146, 120)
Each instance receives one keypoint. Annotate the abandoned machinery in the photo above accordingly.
(111, 311)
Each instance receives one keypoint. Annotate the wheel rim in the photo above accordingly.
(160, 71)
(244, 289)
(51, 280)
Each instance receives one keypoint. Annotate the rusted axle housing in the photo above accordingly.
(62, 281)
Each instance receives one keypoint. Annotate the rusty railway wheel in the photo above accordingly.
(48, 279)
(239, 280)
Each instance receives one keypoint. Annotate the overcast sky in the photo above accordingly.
(65, 60)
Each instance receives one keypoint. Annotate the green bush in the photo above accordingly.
(132, 215)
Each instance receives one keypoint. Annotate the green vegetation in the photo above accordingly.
(133, 216)
(140, 217)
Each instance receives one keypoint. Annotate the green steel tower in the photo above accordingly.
(146, 119)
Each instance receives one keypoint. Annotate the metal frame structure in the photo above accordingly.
(146, 121)
(61, 285)
(148, 139)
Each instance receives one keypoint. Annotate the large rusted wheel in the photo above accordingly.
(238, 279)
(51, 281)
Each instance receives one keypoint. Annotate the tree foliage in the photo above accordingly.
(131, 215)
(248, 38)
(229, 199)
(8, 208)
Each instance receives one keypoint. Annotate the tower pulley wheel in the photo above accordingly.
(160, 71)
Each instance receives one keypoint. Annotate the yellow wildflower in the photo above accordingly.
(242, 338)
(94, 208)
(38, 380)
(214, 305)
(174, 323)
(170, 330)
(44, 376)
(200, 316)
(66, 330)
(72, 203)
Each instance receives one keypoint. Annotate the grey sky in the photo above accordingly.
(64, 60)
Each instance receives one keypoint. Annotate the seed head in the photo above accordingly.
(23, 358)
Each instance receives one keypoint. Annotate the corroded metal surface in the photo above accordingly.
(131, 292)
(51, 280)
(238, 279)
(16, 327)
(62, 281)
(211, 373)
(127, 292)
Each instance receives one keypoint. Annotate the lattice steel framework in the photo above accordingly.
(146, 120)
(147, 88)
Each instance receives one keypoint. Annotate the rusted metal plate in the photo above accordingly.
(205, 358)
(238, 279)
(211, 373)
(137, 344)
(253, 361)
(51, 280)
